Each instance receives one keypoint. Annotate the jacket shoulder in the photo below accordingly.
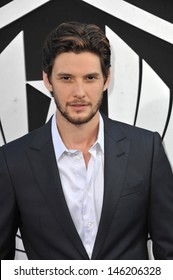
(38, 137)
(127, 130)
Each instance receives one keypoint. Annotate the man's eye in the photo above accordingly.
(66, 78)
(90, 78)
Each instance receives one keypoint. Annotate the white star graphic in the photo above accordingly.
(39, 85)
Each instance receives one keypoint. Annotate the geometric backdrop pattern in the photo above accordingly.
(141, 36)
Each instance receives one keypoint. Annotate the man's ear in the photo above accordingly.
(47, 83)
(107, 82)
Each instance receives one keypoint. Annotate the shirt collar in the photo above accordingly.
(59, 146)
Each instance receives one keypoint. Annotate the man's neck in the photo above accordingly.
(78, 137)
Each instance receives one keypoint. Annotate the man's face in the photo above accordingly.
(77, 84)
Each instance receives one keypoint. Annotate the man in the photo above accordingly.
(84, 186)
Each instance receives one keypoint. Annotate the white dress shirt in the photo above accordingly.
(82, 187)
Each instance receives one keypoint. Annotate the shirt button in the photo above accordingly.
(77, 158)
(90, 225)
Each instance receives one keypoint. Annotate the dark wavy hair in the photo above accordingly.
(76, 37)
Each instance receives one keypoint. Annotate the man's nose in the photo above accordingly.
(79, 89)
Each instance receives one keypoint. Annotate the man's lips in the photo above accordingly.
(78, 106)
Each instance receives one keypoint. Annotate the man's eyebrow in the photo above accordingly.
(93, 74)
(61, 74)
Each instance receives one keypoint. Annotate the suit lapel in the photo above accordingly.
(116, 157)
(43, 163)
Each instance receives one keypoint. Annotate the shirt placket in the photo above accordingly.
(90, 227)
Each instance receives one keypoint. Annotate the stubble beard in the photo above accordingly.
(78, 120)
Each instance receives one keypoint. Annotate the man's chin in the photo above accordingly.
(78, 120)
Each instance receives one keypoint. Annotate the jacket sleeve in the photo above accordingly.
(8, 213)
(161, 203)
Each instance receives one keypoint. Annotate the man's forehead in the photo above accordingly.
(86, 61)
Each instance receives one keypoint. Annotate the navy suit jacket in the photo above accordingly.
(138, 198)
